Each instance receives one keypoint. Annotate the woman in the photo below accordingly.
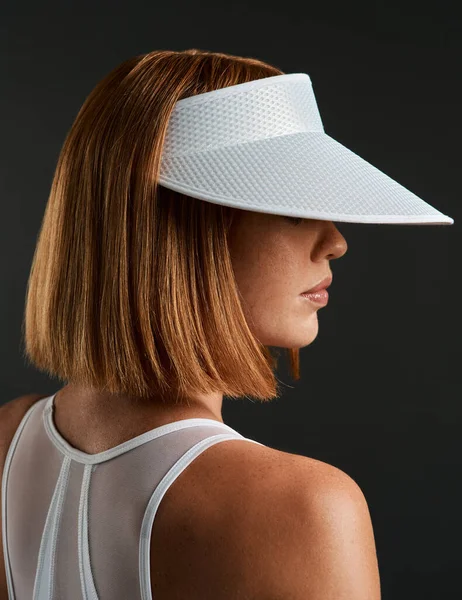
(193, 204)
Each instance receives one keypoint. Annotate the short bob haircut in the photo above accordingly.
(131, 289)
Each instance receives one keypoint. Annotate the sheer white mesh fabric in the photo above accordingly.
(77, 526)
(261, 146)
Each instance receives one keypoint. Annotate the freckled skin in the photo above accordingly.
(274, 260)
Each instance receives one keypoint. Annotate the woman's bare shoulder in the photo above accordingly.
(297, 527)
(250, 517)
(311, 528)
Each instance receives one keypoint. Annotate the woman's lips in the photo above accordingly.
(319, 297)
(319, 293)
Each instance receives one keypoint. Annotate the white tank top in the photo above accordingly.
(77, 526)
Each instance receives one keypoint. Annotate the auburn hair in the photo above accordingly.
(131, 288)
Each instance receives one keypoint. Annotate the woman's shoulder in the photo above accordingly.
(310, 531)
(240, 513)
(11, 415)
(307, 528)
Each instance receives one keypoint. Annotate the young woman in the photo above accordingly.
(191, 214)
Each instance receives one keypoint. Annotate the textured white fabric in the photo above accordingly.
(77, 526)
(261, 146)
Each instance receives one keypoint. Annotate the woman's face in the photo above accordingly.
(274, 261)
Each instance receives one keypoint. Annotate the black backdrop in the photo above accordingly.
(380, 394)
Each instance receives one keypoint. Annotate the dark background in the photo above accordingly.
(380, 394)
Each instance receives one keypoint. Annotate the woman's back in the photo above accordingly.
(79, 525)
(174, 514)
